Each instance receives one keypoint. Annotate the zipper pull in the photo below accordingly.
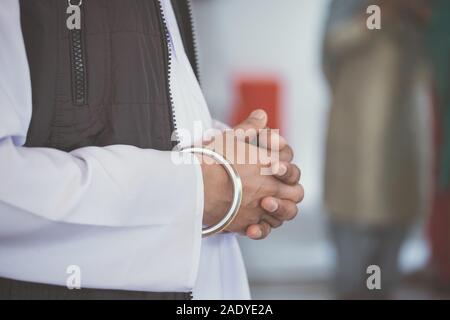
(73, 22)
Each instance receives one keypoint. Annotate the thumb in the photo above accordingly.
(256, 121)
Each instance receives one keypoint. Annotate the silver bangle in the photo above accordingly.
(237, 190)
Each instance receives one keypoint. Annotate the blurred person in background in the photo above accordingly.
(438, 44)
(372, 180)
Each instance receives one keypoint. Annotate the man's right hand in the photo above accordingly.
(259, 191)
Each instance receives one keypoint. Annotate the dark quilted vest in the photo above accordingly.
(104, 84)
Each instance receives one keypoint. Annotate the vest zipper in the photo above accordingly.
(194, 41)
(78, 63)
(168, 56)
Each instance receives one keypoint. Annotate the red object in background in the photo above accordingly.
(439, 223)
(257, 92)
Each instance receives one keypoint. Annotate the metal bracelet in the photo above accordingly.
(237, 190)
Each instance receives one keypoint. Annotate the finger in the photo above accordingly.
(294, 193)
(283, 210)
(248, 129)
(258, 231)
(271, 140)
(288, 173)
(273, 221)
(286, 154)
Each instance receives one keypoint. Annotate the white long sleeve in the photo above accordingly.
(128, 217)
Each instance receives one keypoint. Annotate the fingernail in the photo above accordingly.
(258, 233)
(258, 114)
(282, 170)
(273, 206)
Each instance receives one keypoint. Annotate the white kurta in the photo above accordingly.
(130, 218)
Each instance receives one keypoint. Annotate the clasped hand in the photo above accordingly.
(271, 188)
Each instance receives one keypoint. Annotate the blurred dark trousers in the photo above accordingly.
(357, 248)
